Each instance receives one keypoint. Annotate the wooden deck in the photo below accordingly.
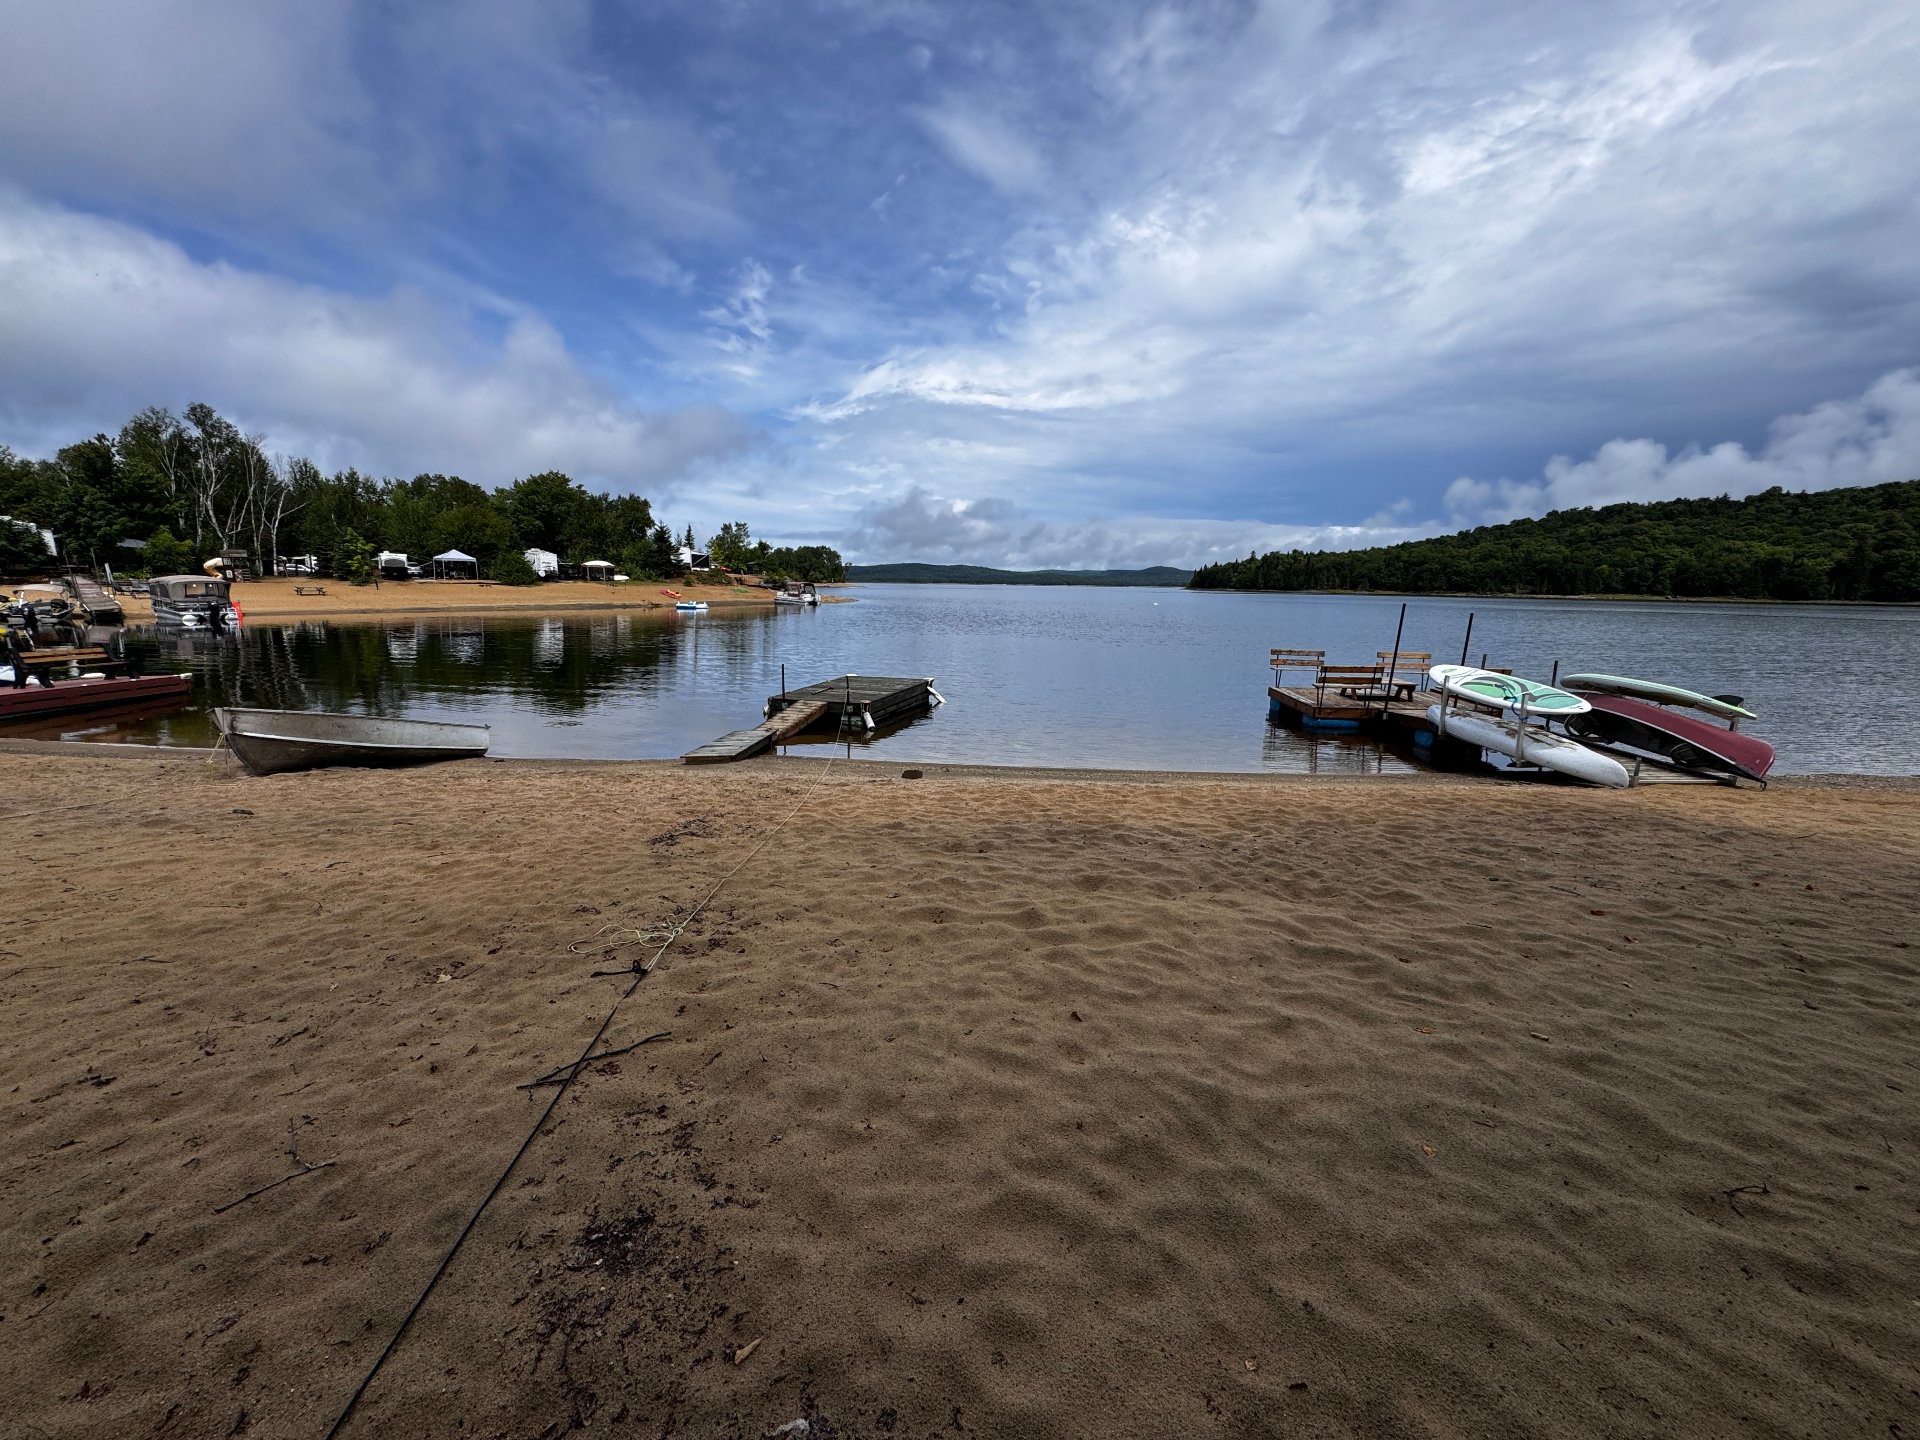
(740, 744)
(862, 702)
(869, 701)
(101, 607)
(1329, 710)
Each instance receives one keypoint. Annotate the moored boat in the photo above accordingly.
(797, 592)
(269, 741)
(690, 606)
(192, 600)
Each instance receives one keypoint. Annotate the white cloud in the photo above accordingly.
(741, 329)
(103, 318)
(1870, 440)
(986, 146)
(917, 525)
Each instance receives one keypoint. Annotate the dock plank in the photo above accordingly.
(793, 719)
(737, 745)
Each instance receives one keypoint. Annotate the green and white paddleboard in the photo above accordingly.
(1660, 694)
(1505, 692)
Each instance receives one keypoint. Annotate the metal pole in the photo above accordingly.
(783, 682)
(1467, 639)
(1483, 659)
(1556, 674)
(1398, 630)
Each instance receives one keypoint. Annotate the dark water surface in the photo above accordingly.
(1150, 679)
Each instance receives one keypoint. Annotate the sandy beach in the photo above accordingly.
(983, 1104)
(280, 600)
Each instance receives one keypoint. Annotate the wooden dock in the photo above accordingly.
(865, 701)
(740, 744)
(1330, 711)
(101, 607)
(860, 703)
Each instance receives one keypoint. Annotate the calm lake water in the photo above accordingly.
(1150, 679)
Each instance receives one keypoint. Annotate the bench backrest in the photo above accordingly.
(1349, 674)
(1416, 662)
(1298, 659)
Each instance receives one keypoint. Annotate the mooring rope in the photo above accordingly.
(640, 972)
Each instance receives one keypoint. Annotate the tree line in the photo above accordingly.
(193, 485)
(1858, 544)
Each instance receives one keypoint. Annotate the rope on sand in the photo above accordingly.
(667, 935)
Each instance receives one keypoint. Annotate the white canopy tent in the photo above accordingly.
(598, 569)
(455, 559)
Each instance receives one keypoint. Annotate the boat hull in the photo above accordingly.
(273, 741)
(69, 696)
(1689, 743)
(1530, 745)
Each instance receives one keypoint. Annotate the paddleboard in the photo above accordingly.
(1505, 692)
(1660, 694)
(1530, 745)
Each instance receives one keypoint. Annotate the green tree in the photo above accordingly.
(166, 555)
(731, 548)
(543, 508)
(353, 559)
(513, 568)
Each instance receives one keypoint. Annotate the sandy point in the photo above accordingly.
(978, 1104)
(281, 599)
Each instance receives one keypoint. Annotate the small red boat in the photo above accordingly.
(66, 696)
(1690, 743)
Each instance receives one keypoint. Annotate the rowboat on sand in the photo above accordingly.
(269, 741)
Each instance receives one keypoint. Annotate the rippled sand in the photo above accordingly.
(992, 1105)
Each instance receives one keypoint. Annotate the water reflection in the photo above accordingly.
(1108, 679)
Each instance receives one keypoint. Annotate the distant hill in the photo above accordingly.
(1853, 544)
(983, 575)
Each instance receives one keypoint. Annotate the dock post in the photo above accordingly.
(783, 682)
(1386, 693)
(1467, 639)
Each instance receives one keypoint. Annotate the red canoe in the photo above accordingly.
(1687, 741)
(65, 696)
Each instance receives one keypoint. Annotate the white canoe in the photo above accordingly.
(1530, 745)
(267, 741)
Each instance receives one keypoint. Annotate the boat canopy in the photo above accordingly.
(188, 587)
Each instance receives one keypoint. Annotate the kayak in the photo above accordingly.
(1660, 694)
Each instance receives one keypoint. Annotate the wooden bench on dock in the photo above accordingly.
(1405, 672)
(1296, 660)
(1353, 680)
(90, 657)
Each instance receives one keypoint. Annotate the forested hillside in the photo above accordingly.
(1855, 544)
(188, 486)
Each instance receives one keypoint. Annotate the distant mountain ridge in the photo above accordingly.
(916, 574)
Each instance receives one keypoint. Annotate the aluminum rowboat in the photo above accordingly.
(273, 740)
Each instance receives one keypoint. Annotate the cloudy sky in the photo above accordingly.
(1083, 284)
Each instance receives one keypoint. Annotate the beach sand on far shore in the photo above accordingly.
(277, 600)
(983, 1105)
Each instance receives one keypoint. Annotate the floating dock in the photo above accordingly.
(1326, 710)
(856, 702)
